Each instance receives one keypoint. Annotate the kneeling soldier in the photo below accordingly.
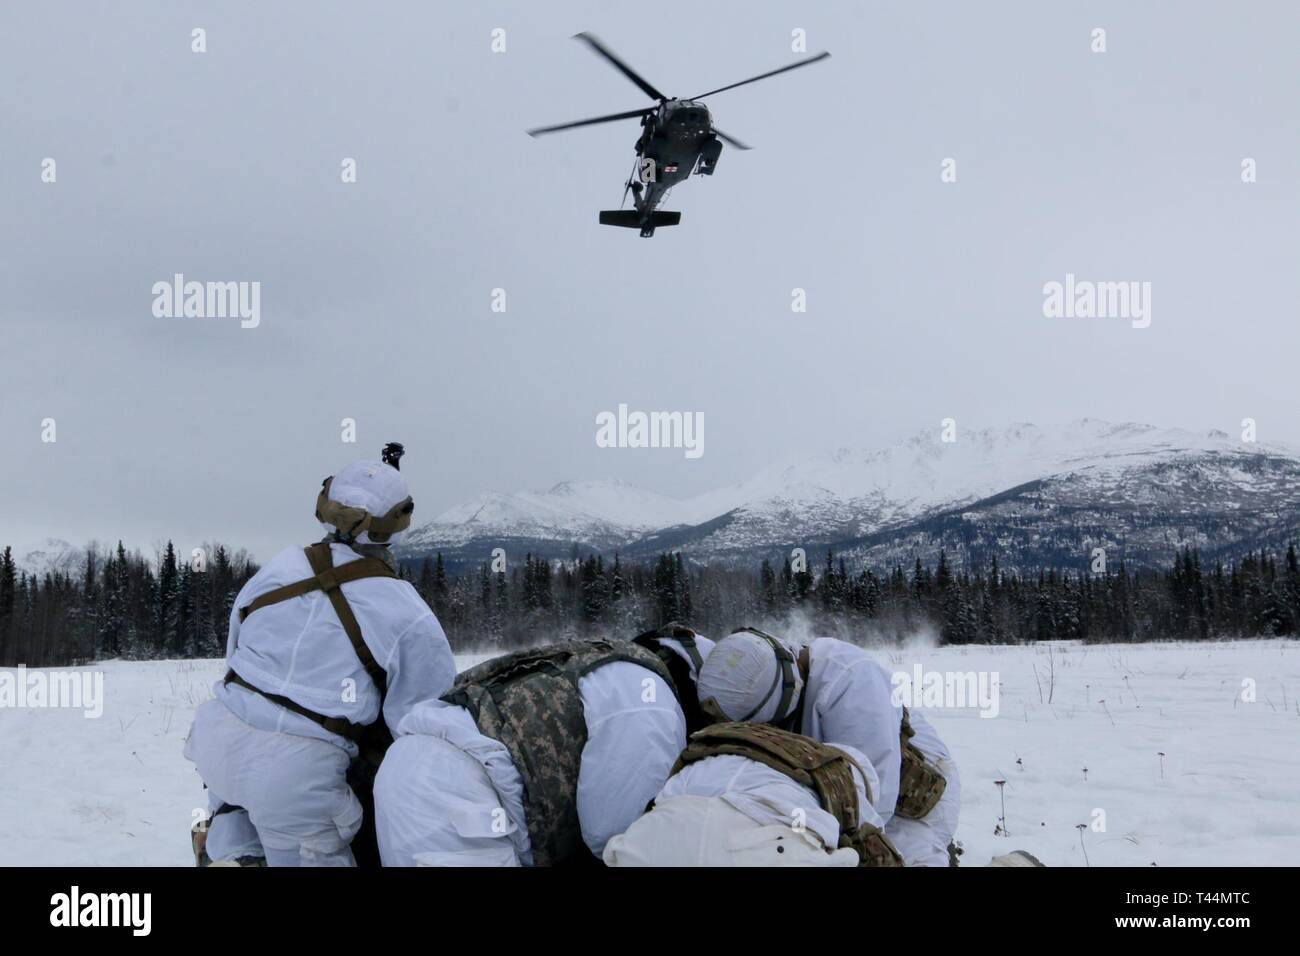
(755, 795)
(536, 758)
(831, 690)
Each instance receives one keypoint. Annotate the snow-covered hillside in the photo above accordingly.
(1080, 729)
(597, 511)
(849, 495)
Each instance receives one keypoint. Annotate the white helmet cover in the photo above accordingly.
(747, 678)
(368, 501)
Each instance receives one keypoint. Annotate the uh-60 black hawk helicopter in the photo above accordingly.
(677, 138)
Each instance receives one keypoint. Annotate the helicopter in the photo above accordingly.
(677, 138)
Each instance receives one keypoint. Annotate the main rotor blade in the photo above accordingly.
(622, 67)
(630, 114)
(730, 139)
(762, 76)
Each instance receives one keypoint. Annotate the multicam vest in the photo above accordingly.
(826, 771)
(920, 783)
(687, 692)
(529, 701)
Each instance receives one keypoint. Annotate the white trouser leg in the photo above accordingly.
(293, 788)
(232, 835)
(708, 831)
(435, 806)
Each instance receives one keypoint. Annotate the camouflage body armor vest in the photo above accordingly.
(687, 693)
(529, 701)
(826, 771)
(920, 783)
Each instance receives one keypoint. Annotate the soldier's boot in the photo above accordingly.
(199, 843)
(242, 861)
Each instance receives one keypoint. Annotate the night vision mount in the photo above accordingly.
(392, 454)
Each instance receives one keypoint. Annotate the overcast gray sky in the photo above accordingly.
(924, 297)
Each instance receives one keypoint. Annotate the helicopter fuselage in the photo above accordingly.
(675, 138)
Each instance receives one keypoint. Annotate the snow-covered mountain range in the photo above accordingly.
(1035, 495)
(52, 555)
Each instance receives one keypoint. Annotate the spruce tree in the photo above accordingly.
(8, 596)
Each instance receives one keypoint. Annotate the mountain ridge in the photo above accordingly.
(851, 497)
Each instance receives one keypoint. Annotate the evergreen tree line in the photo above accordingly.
(120, 604)
(123, 605)
(1258, 596)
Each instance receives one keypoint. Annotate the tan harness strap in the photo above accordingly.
(329, 578)
(335, 725)
(297, 589)
(322, 562)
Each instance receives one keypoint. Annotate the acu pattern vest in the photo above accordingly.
(530, 702)
(687, 692)
(825, 770)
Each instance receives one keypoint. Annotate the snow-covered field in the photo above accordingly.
(116, 790)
